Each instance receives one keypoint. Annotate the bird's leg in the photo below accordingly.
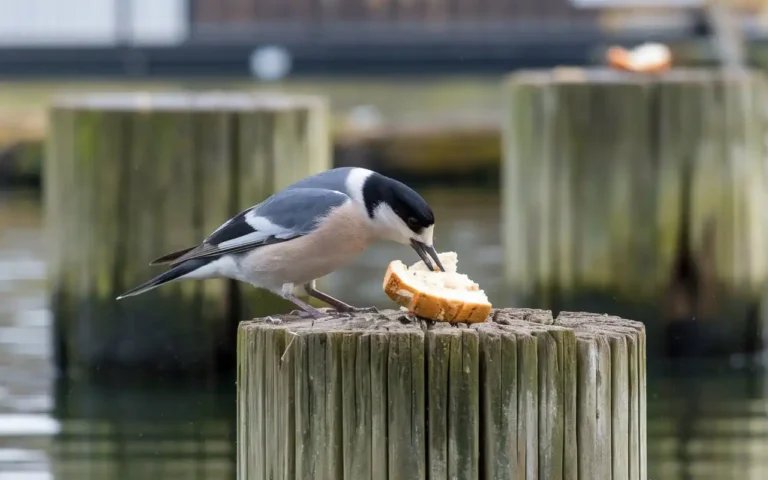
(334, 302)
(307, 310)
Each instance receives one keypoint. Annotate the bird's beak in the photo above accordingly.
(428, 254)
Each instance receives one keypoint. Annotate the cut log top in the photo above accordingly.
(187, 101)
(515, 320)
(388, 396)
(608, 76)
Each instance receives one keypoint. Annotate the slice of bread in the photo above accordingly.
(442, 296)
(645, 58)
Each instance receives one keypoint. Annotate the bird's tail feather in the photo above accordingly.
(170, 257)
(173, 274)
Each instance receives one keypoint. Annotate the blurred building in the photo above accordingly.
(220, 37)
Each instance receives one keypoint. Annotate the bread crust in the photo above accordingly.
(403, 291)
(621, 59)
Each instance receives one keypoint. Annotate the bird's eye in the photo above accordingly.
(413, 222)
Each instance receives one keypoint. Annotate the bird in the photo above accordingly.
(309, 229)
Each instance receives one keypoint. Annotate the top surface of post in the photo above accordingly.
(611, 76)
(187, 101)
(519, 320)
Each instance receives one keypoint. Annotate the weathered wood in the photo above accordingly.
(385, 396)
(639, 188)
(135, 176)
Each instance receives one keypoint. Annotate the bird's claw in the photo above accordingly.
(352, 311)
(368, 310)
(317, 314)
(329, 312)
(274, 321)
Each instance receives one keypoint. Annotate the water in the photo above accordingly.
(705, 422)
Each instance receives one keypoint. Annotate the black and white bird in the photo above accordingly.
(306, 231)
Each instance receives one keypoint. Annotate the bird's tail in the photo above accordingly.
(174, 273)
(171, 257)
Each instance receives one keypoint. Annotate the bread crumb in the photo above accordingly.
(450, 282)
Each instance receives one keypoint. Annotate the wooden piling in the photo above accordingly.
(646, 188)
(387, 396)
(130, 177)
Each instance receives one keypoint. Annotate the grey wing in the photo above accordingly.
(283, 216)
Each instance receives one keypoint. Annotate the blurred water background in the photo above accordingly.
(707, 420)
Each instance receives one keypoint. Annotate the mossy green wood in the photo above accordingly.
(385, 396)
(604, 170)
(133, 177)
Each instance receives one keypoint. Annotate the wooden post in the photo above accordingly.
(385, 396)
(130, 177)
(647, 188)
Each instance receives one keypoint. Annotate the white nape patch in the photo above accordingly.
(355, 182)
(221, 267)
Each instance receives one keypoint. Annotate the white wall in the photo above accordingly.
(90, 22)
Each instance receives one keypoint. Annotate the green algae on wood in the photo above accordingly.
(611, 180)
(134, 176)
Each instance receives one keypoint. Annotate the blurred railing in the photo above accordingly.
(390, 21)
(62, 23)
(392, 11)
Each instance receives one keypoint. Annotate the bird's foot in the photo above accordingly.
(315, 313)
(364, 310)
(274, 321)
(350, 312)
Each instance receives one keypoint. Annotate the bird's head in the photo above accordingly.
(401, 215)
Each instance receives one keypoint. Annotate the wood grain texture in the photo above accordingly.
(589, 154)
(136, 176)
(387, 396)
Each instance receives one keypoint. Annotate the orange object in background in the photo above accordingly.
(646, 58)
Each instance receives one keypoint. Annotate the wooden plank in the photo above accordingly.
(269, 382)
(569, 385)
(634, 406)
(379, 397)
(604, 454)
(333, 408)
(499, 411)
(463, 406)
(406, 413)
(379, 405)
(550, 407)
(357, 414)
(317, 372)
(588, 441)
(286, 404)
(619, 408)
(643, 467)
(244, 398)
(438, 388)
(528, 406)
(303, 414)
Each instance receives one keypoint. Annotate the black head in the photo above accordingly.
(408, 205)
(401, 215)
